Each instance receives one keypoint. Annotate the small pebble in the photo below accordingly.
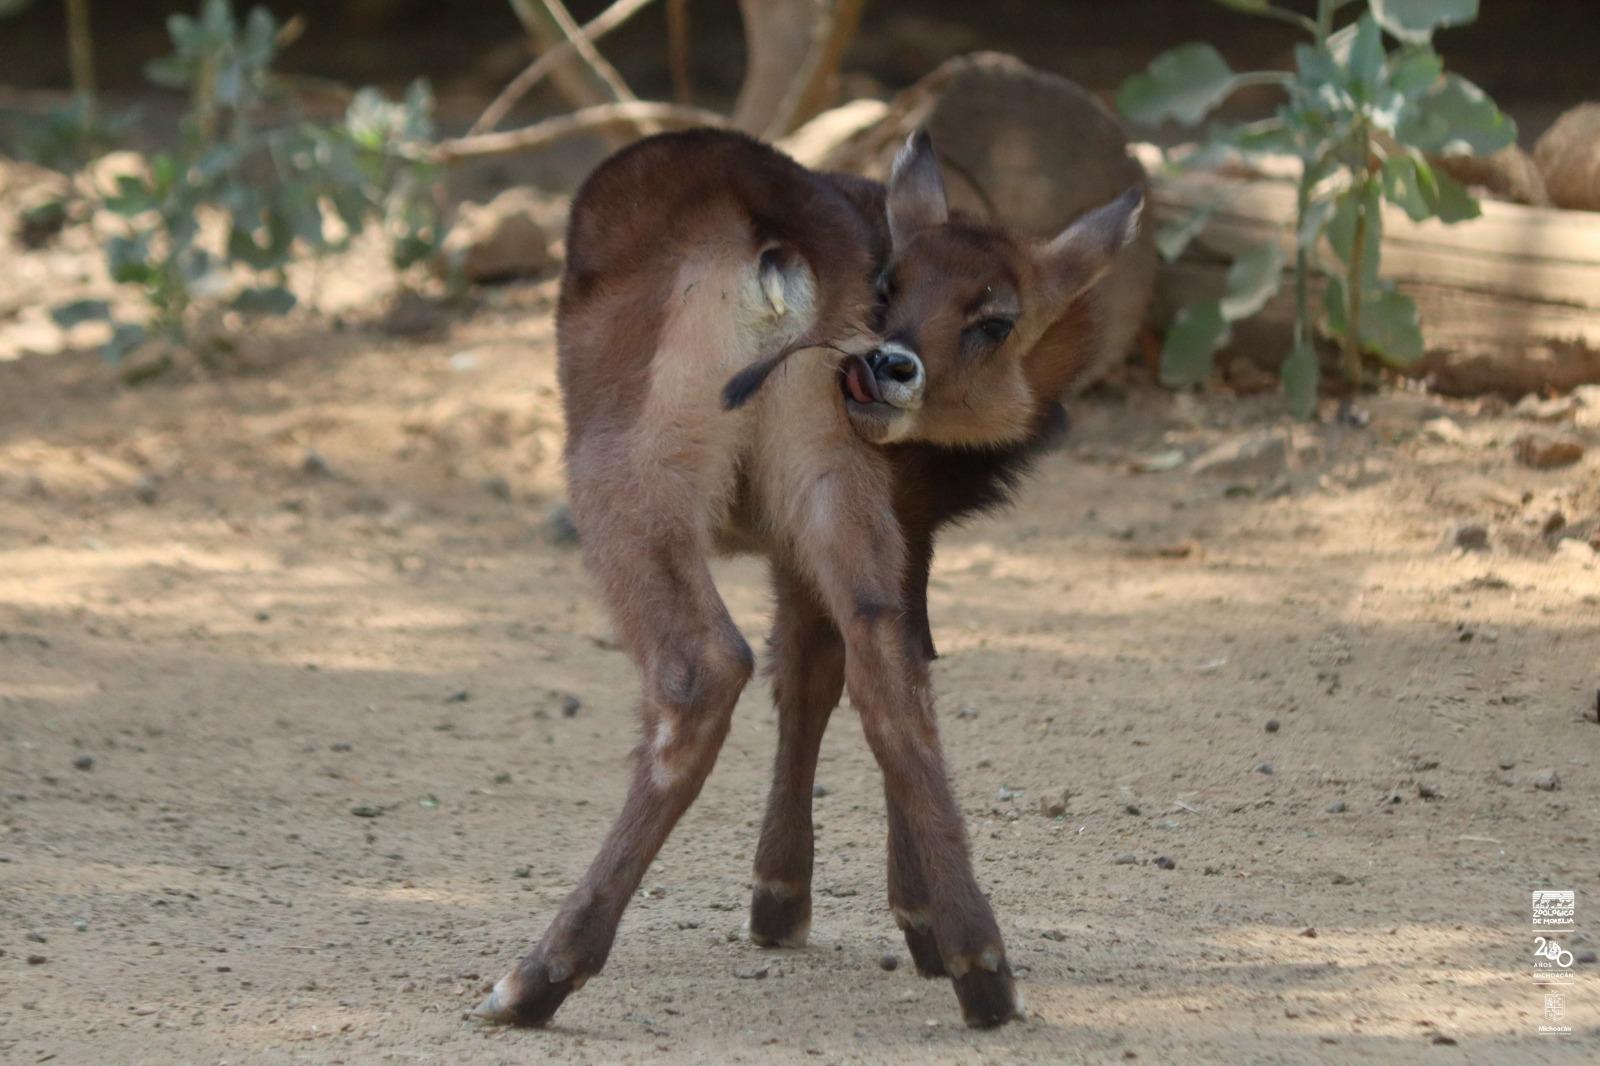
(889, 961)
(497, 486)
(1272, 725)
(1264, 768)
(1212, 871)
(1444, 1041)
(38, 937)
(83, 762)
(818, 791)
(1132, 809)
(1548, 781)
(37, 960)
(559, 528)
(144, 490)
(314, 464)
(1426, 790)
(1472, 537)
(752, 973)
(1165, 863)
(1054, 805)
(966, 711)
(1507, 762)
(570, 705)
(1127, 858)
(1586, 956)
(1338, 807)
(340, 746)
(1309, 932)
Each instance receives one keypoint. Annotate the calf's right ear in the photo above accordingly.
(916, 198)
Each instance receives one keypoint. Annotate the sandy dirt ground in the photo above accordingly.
(307, 724)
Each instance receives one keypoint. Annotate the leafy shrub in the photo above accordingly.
(1363, 119)
(282, 188)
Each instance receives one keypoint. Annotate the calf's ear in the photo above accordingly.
(916, 198)
(1080, 255)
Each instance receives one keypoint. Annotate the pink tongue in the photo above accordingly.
(858, 388)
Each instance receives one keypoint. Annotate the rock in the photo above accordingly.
(818, 791)
(570, 705)
(1544, 452)
(1510, 174)
(1506, 762)
(1264, 768)
(1470, 536)
(1054, 804)
(1547, 781)
(1127, 858)
(1165, 863)
(889, 961)
(1212, 871)
(752, 973)
(1272, 725)
(1553, 523)
(144, 490)
(1428, 791)
(497, 486)
(1535, 408)
(1338, 807)
(1569, 156)
(83, 762)
(1252, 455)
(559, 528)
(498, 241)
(1309, 933)
(1444, 430)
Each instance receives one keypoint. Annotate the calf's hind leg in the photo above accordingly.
(652, 571)
(807, 681)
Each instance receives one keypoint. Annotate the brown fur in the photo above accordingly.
(693, 257)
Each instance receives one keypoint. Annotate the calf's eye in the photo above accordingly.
(996, 329)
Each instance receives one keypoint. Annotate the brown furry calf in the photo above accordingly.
(917, 362)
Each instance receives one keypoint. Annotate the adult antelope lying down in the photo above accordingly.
(757, 357)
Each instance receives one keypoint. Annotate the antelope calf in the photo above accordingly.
(757, 357)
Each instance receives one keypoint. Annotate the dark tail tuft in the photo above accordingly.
(747, 382)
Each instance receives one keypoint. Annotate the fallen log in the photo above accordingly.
(1510, 302)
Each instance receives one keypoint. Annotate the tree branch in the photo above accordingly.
(633, 113)
(591, 31)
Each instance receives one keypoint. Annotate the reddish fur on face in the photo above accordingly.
(691, 258)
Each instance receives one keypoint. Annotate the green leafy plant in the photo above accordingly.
(1364, 119)
(276, 185)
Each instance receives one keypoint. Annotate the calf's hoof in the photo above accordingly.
(986, 991)
(924, 952)
(529, 995)
(779, 918)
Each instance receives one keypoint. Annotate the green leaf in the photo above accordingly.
(1183, 84)
(1455, 117)
(1365, 61)
(1403, 184)
(124, 338)
(1414, 21)
(78, 311)
(128, 260)
(1252, 280)
(1192, 339)
(1174, 237)
(1414, 71)
(1392, 328)
(1301, 374)
(273, 300)
(1452, 202)
(133, 197)
(1318, 212)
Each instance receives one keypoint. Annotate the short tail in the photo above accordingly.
(747, 382)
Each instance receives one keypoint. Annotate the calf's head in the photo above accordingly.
(961, 308)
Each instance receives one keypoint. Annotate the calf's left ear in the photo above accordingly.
(1079, 255)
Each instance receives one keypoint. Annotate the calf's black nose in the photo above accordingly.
(896, 366)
